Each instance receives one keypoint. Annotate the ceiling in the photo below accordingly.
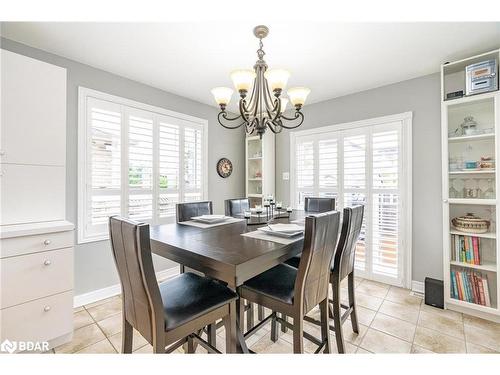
(333, 59)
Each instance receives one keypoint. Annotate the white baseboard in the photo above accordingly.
(114, 290)
(417, 287)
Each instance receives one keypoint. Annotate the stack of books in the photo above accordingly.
(465, 249)
(470, 287)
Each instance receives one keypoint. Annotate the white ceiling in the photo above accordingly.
(333, 59)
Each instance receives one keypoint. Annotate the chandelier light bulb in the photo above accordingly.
(243, 79)
(298, 95)
(222, 95)
(277, 78)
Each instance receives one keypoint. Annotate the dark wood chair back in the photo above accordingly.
(140, 292)
(236, 207)
(311, 284)
(343, 262)
(185, 211)
(319, 204)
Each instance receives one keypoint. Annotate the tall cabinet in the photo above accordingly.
(36, 242)
(470, 146)
(260, 167)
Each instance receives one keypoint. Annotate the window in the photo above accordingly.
(136, 161)
(368, 163)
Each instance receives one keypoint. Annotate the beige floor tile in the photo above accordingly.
(82, 338)
(379, 342)
(362, 351)
(348, 347)
(415, 349)
(78, 309)
(261, 345)
(399, 311)
(373, 288)
(440, 323)
(450, 314)
(279, 347)
(81, 319)
(104, 310)
(102, 301)
(438, 342)
(365, 316)
(487, 338)
(393, 326)
(148, 349)
(403, 297)
(481, 323)
(370, 302)
(111, 325)
(478, 349)
(137, 342)
(101, 347)
(350, 335)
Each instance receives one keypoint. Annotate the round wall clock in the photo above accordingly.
(224, 167)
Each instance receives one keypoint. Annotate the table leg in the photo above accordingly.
(240, 311)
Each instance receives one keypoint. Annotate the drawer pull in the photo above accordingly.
(46, 308)
(47, 263)
(47, 242)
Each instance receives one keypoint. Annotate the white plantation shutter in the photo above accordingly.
(359, 165)
(137, 163)
(103, 168)
(304, 154)
(385, 202)
(140, 167)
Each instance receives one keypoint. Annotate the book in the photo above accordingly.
(470, 286)
(486, 292)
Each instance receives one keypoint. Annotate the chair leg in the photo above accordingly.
(211, 334)
(240, 313)
(352, 302)
(127, 336)
(325, 325)
(284, 328)
(260, 312)
(298, 335)
(274, 328)
(230, 327)
(250, 316)
(159, 345)
(190, 345)
(337, 321)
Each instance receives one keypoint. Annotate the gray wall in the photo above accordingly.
(422, 97)
(94, 267)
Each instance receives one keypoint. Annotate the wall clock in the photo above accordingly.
(224, 167)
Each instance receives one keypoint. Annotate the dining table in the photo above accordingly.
(224, 252)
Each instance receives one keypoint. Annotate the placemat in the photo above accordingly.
(269, 237)
(197, 224)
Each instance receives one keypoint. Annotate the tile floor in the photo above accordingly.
(392, 320)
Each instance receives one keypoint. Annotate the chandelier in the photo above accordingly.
(266, 106)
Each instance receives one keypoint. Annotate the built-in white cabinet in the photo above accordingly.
(260, 167)
(471, 149)
(36, 242)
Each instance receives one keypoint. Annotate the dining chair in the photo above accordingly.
(312, 204)
(185, 211)
(296, 291)
(172, 312)
(236, 207)
(317, 205)
(342, 267)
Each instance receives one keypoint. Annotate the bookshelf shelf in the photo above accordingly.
(491, 267)
(259, 160)
(465, 282)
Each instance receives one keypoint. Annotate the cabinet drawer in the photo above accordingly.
(39, 320)
(32, 194)
(28, 277)
(32, 244)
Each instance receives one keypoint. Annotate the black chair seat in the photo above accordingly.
(294, 262)
(277, 283)
(188, 296)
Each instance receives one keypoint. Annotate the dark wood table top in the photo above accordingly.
(222, 252)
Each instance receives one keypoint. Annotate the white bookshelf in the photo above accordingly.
(259, 170)
(470, 191)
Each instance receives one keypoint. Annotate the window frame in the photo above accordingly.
(131, 106)
(405, 188)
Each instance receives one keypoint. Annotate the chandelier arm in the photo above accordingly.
(274, 126)
(243, 110)
(251, 103)
(270, 104)
(223, 115)
(298, 115)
